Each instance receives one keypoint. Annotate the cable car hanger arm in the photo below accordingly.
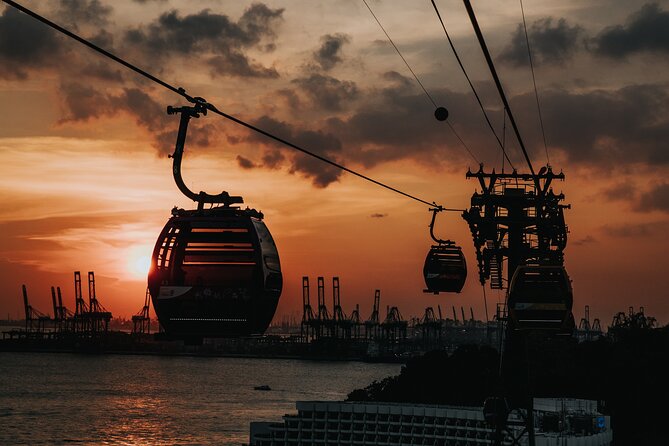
(188, 112)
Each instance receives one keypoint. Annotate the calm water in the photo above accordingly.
(137, 400)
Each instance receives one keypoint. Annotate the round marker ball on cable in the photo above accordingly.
(441, 114)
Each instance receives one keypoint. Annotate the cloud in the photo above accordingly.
(89, 12)
(316, 141)
(245, 163)
(215, 37)
(621, 191)
(645, 30)
(551, 43)
(655, 199)
(587, 240)
(326, 92)
(26, 45)
(84, 103)
(603, 127)
(633, 230)
(329, 53)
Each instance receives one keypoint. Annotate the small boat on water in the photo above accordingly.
(263, 387)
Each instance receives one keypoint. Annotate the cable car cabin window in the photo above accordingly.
(166, 252)
(218, 256)
(541, 286)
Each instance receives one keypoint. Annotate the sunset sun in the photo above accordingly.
(138, 262)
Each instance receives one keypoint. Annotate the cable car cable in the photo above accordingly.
(498, 83)
(471, 85)
(429, 97)
(534, 81)
(212, 108)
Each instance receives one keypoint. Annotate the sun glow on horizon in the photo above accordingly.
(138, 262)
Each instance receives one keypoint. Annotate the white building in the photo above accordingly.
(558, 422)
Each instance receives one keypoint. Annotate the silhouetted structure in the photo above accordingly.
(141, 322)
(35, 320)
(308, 329)
(220, 261)
(99, 317)
(372, 324)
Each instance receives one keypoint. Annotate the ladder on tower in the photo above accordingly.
(495, 273)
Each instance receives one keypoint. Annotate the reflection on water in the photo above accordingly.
(138, 400)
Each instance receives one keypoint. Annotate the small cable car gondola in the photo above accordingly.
(445, 269)
(215, 270)
(541, 298)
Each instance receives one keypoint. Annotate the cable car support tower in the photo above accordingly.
(519, 233)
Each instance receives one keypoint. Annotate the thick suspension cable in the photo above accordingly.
(534, 81)
(212, 108)
(429, 97)
(471, 85)
(498, 83)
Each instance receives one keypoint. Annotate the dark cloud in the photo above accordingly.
(587, 240)
(26, 45)
(245, 163)
(636, 229)
(656, 199)
(235, 63)
(326, 92)
(329, 53)
(289, 97)
(377, 215)
(602, 127)
(83, 103)
(645, 30)
(102, 70)
(315, 141)
(75, 13)
(396, 122)
(273, 159)
(551, 43)
(622, 191)
(211, 35)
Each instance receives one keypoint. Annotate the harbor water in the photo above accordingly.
(52, 398)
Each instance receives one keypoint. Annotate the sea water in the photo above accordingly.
(58, 398)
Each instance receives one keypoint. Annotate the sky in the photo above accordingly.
(86, 184)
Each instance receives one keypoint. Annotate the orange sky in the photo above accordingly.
(86, 184)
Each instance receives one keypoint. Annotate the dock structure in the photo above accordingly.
(324, 325)
(61, 315)
(373, 324)
(141, 322)
(429, 328)
(36, 321)
(341, 324)
(98, 315)
(588, 331)
(308, 325)
(394, 327)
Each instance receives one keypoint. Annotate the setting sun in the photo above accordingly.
(138, 262)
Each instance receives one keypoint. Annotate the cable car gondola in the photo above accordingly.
(541, 298)
(445, 269)
(215, 271)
